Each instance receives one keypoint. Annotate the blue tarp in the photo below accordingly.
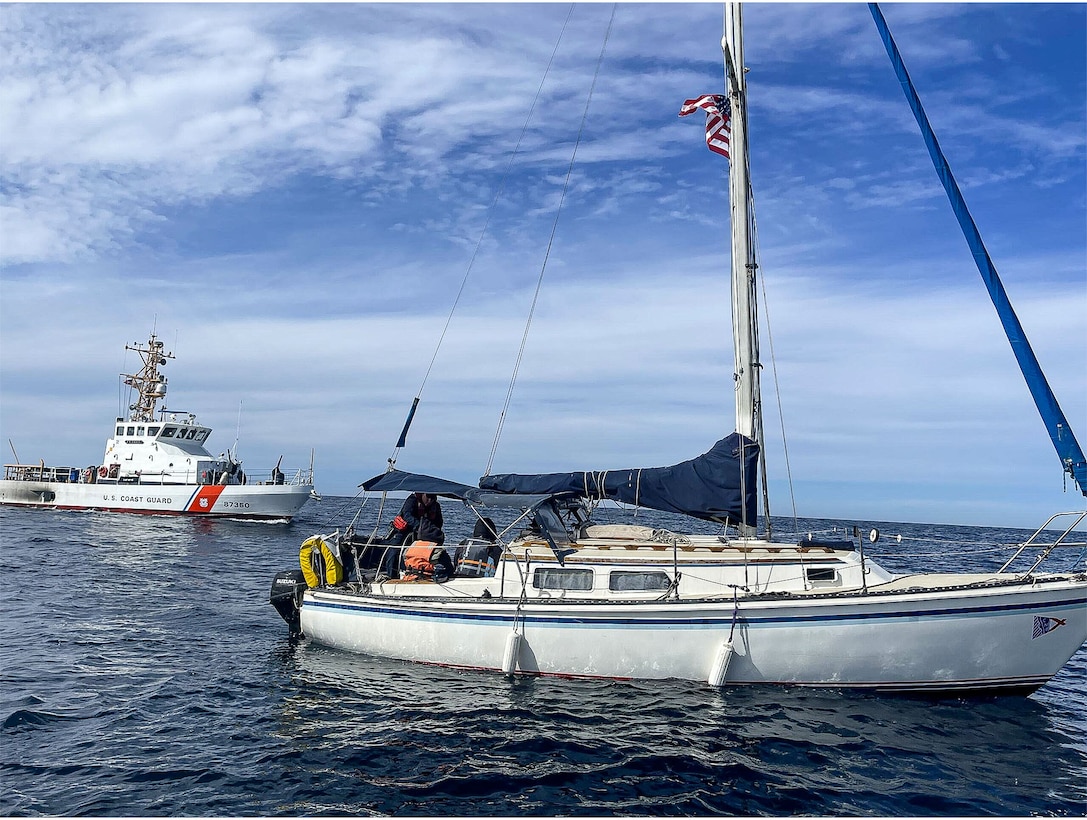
(706, 487)
(542, 507)
(397, 480)
(400, 481)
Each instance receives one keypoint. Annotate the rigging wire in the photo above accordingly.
(777, 385)
(550, 243)
(755, 281)
(479, 242)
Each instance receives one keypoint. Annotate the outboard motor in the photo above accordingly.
(286, 597)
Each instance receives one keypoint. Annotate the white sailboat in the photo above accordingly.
(558, 595)
(156, 463)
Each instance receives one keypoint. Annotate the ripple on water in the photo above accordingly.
(143, 680)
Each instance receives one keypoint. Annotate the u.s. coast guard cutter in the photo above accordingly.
(156, 462)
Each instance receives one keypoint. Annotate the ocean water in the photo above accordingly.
(143, 672)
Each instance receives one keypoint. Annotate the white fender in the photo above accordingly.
(513, 648)
(720, 664)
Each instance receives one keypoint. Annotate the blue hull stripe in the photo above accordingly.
(688, 622)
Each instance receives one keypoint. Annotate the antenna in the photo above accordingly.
(238, 434)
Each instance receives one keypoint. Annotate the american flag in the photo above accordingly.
(717, 111)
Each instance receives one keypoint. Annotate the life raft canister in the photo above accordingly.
(478, 560)
(319, 563)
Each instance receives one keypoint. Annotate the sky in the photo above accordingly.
(295, 196)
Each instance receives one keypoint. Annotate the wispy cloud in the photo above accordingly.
(294, 192)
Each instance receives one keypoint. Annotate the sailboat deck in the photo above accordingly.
(936, 582)
(689, 549)
(764, 548)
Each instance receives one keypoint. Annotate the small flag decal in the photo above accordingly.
(1043, 625)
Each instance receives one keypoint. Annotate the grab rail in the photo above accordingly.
(1047, 548)
(76, 475)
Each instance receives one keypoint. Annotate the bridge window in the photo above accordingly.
(168, 432)
(120, 431)
(131, 430)
(576, 579)
(152, 431)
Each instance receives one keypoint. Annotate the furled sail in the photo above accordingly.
(718, 485)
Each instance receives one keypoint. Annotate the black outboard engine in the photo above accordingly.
(286, 597)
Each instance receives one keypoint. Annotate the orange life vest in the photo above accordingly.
(420, 560)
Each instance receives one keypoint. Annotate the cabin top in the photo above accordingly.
(169, 430)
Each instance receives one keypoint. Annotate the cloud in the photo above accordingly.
(292, 195)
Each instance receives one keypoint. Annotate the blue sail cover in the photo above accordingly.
(707, 487)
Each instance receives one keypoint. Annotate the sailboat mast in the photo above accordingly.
(744, 313)
(743, 270)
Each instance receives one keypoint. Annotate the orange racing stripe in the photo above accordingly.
(205, 498)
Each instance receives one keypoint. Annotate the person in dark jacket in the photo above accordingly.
(478, 555)
(420, 519)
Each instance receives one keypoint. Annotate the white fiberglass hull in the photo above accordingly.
(991, 638)
(259, 501)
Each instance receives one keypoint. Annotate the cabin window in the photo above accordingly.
(152, 431)
(577, 579)
(139, 431)
(131, 430)
(638, 581)
(821, 574)
(168, 432)
(120, 431)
